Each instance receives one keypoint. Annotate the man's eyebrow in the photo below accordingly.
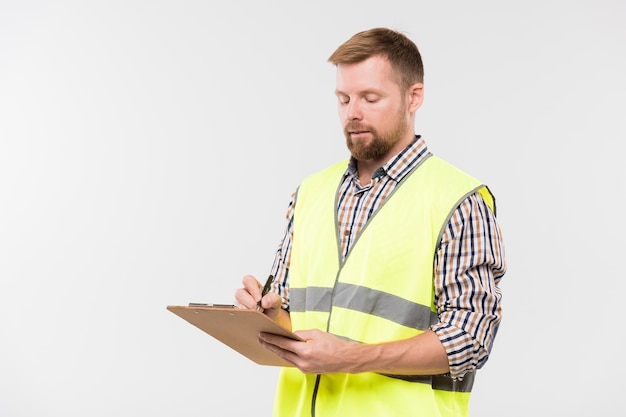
(360, 93)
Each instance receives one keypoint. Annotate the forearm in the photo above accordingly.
(419, 355)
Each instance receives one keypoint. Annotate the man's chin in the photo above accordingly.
(359, 153)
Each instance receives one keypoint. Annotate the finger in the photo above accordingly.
(281, 342)
(243, 299)
(253, 286)
(271, 301)
(283, 353)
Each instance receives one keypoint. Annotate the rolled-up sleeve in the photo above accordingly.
(469, 263)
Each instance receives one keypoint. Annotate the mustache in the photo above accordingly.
(356, 127)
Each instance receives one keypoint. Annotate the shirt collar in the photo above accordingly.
(400, 164)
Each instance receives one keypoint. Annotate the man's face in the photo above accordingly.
(373, 110)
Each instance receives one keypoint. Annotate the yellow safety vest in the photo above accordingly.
(382, 291)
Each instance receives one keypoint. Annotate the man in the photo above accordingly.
(390, 264)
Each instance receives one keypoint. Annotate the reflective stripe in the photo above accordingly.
(310, 299)
(364, 300)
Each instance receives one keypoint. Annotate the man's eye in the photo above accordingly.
(344, 99)
(371, 99)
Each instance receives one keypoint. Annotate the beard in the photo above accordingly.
(379, 145)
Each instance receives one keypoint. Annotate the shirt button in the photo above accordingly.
(346, 232)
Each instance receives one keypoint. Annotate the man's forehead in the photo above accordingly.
(373, 74)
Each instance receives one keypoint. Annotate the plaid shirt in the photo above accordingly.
(469, 261)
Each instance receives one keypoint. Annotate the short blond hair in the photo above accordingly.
(399, 50)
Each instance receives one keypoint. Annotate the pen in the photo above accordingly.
(266, 289)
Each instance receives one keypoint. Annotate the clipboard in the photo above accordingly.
(236, 328)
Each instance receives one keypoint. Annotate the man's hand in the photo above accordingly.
(320, 353)
(248, 297)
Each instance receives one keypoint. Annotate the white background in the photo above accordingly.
(148, 150)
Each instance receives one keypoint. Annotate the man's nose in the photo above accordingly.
(353, 112)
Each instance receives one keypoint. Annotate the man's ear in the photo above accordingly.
(416, 96)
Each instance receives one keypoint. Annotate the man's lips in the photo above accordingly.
(356, 130)
(358, 133)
